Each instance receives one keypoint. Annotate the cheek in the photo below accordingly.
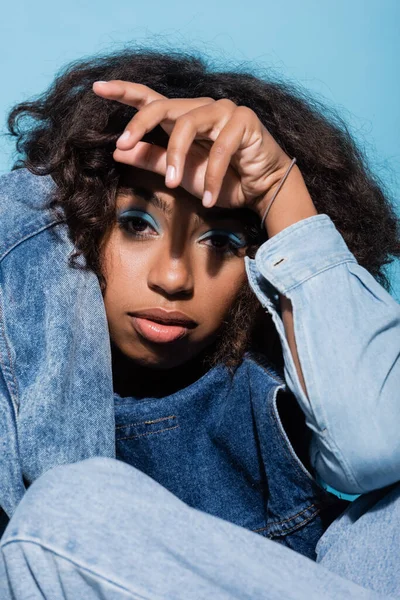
(219, 293)
(125, 277)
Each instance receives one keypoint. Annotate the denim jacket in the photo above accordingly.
(56, 392)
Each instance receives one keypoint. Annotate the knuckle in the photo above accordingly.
(145, 89)
(157, 102)
(218, 150)
(150, 107)
(244, 112)
(225, 102)
(186, 120)
(147, 94)
(212, 179)
(148, 155)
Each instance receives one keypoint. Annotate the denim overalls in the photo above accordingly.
(219, 445)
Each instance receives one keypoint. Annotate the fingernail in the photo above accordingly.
(125, 136)
(101, 82)
(207, 198)
(170, 174)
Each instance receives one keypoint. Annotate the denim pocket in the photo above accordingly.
(139, 429)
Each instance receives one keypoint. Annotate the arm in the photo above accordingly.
(339, 326)
(293, 204)
(340, 334)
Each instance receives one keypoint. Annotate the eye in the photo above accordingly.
(223, 242)
(138, 223)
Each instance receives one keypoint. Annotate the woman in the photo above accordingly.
(159, 349)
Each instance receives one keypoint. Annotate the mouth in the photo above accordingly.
(161, 326)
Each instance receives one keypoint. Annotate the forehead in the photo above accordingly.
(151, 187)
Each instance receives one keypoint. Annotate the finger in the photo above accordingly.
(151, 157)
(144, 156)
(126, 92)
(159, 112)
(144, 121)
(134, 94)
(202, 122)
(225, 146)
(139, 96)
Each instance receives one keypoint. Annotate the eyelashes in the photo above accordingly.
(141, 226)
(220, 236)
(139, 219)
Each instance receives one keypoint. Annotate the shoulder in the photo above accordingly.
(258, 377)
(258, 365)
(23, 207)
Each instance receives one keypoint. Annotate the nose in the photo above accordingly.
(171, 275)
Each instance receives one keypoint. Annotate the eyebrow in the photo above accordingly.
(216, 213)
(153, 198)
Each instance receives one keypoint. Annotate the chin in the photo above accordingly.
(156, 362)
(160, 357)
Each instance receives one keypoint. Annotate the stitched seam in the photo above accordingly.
(327, 268)
(28, 236)
(296, 526)
(73, 562)
(258, 358)
(143, 434)
(11, 368)
(290, 529)
(288, 519)
(130, 400)
(146, 422)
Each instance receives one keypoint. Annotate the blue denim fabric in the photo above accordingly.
(347, 330)
(56, 394)
(121, 535)
(219, 445)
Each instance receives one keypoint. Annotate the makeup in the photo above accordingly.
(157, 332)
(136, 221)
(161, 326)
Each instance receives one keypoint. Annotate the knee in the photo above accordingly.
(92, 476)
(73, 482)
(95, 489)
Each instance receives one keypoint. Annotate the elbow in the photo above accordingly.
(371, 465)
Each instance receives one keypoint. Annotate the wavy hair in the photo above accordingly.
(70, 133)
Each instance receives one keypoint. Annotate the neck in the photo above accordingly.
(133, 380)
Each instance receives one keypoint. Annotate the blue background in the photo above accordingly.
(345, 52)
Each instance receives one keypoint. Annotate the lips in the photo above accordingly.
(161, 326)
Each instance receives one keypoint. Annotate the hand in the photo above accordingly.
(217, 150)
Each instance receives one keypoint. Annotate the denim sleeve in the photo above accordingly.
(347, 331)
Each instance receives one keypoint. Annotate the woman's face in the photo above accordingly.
(173, 270)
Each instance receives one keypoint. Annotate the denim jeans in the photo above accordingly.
(102, 529)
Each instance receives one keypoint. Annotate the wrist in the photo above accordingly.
(274, 181)
(292, 203)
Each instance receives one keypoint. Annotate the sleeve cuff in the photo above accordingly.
(301, 251)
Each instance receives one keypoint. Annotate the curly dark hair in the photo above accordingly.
(70, 133)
